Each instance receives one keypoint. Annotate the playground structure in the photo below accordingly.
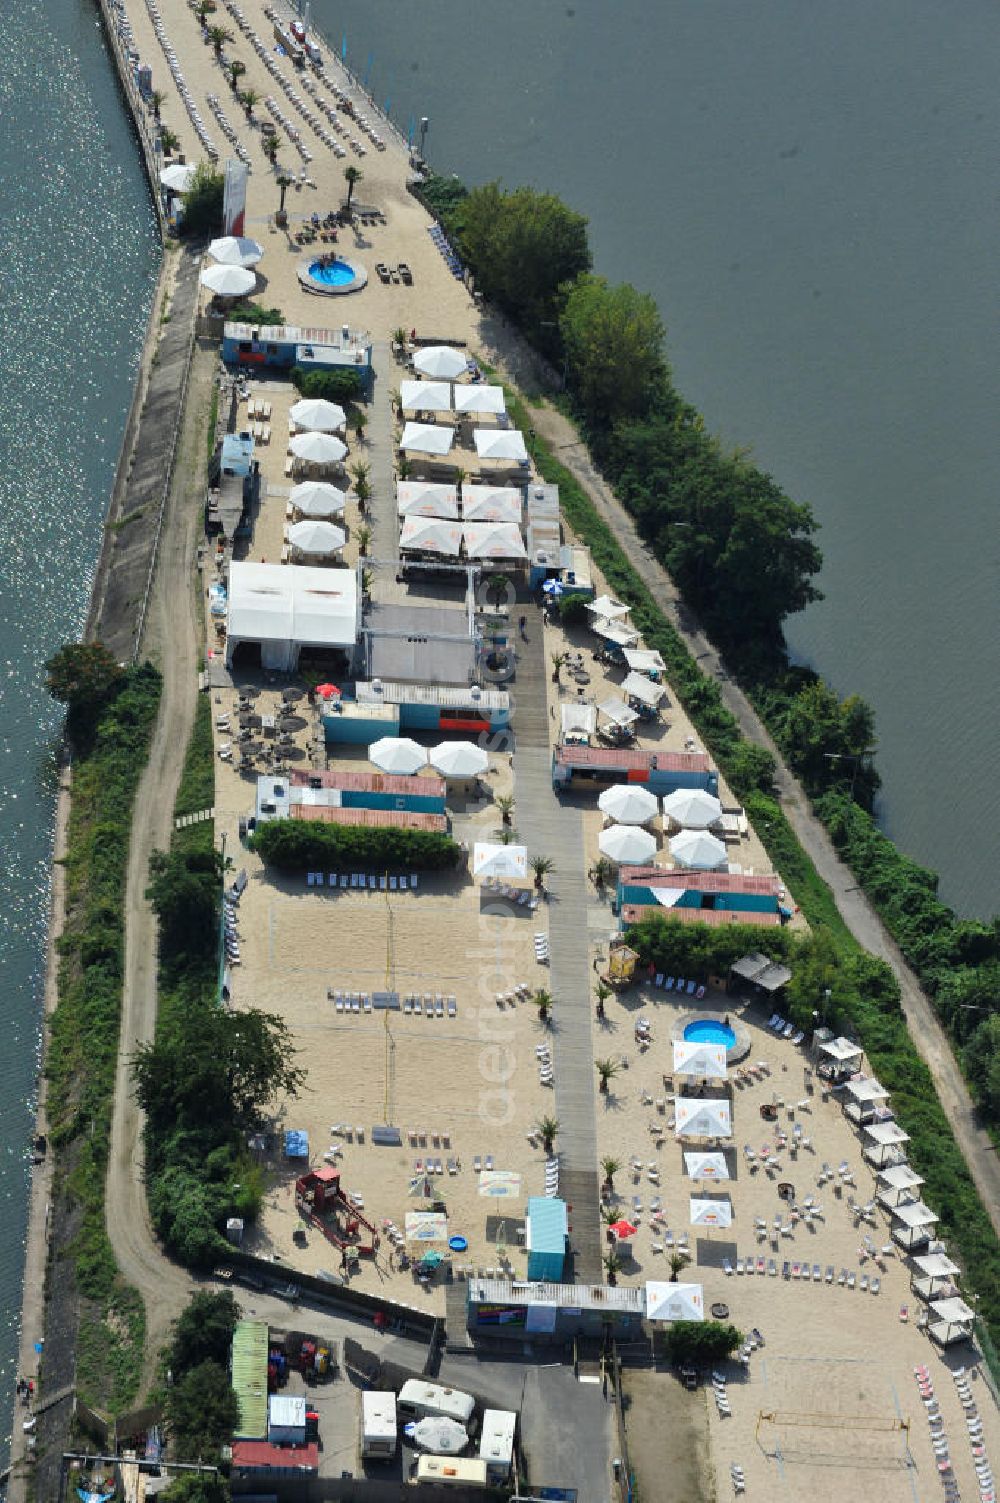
(320, 1200)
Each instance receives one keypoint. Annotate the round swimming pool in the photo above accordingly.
(709, 1031)
(335, 273)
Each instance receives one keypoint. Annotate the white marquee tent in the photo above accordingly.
(427, 438)
(285, 607)
(711, 1212)
(710, 1166)
(702, 1117)
(419, 498)
(638, 686)
(500, 443)
(644, 660)
(425, 396)
(477, 398)
(430, 535)
(491, 503)
(491, 860)
(705, 1061)
(493, 540)
(611, 610)
(675, 1302)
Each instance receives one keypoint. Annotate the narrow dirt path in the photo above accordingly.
(855, 909)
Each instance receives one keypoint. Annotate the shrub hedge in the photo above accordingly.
(301, 844)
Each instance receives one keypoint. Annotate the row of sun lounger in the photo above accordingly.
(363, 880)
(781, 1029)
(804, 1272)
(426, 1005)
(669, 984)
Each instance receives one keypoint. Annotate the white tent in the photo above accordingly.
(915, 1215)
(419, 498)
(644, 660)
(899, 1177)
(283, 608)
(439, 1435)
(317, 415)
(493, 540)
(706, 1061)
(951, 1321)
(426, 438)
(500, 443)
(628, 804)
(935, 1267)
(478, 398)
(236, 250)
(317, 499)
(866, 1090)
(577, 721)
(425, 396)
(397, 754)
(317, 538)
(618, 712)
(459, 759)
(441, 362)
(490, 860)
(675, 1302)
(177, 177)
(702, 1117)
(841, 1050)
(228, 281)
(318, 448)
(692, 807)
(698, 850)
(614, 631)
(711, 1212)
(627, 844)
(610, 610)
(638, 686)
(430, 535)
(491, 503)
(711, 1166)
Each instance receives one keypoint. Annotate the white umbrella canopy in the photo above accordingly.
(440, 361)
(711, 1212)
(611, 610)
(491, 503)
(458, 759)
(397, 754)
(702, 1117)
(710, 1166)
(706, 1061)
(177, 177)
(693, 808)
(490, 860)
(425, 396)
(493, 540)
(236, 250)
(477, 398)
(628, 804)
(698, 850)
(318, 416)
(627, 844)
(318, 448)
(675, 1302)
(431, 535)
(500, 443)
(317, 499)
(316, 537)
(228, 281)
(427, 438)
(419, 498)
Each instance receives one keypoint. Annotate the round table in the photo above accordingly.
(720, 1311)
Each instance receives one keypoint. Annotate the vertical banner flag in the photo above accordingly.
(234, 197)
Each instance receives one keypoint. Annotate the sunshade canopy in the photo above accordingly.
(490, 860)
(623, 1228)
(613, 631)
(316, 537)
(477, 398)
(500, 443)
(867, 1089)
(425, 396)
(431, 535)
(236, 250)
(397, 754)
(914, 1215)
(628, 804)
(706, 1166)
(900, 1177)
(706, 1061)
(701, 1117)
(417, 498)
(320, 416)
(627, 844)
(611, 610)
(493, 540)
(441, 361)
(644, 660)
(229, 281)
(954, 1310)
(675, 1302)
(491, 503)
(711, 1212)
(936, 1266)
(698, 850)
(459, 759)
(318, 448)
(426, 438)
(618, 712)
(178, 176)
(840, 1049)
(886, 1134)
(692, 807)
(315, 498)
(639, 686)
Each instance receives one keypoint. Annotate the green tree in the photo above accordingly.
(364, 537)
(982, 1061)
(523, 246)
(827, 739)
(541, 866)
(185, 891)
(548, 1130)
(197, 1487)
(613, 341)
(249, 98)
(202, 1412)
(84, 676)
(203, 1332)
(219, 36)
(505, 803)
(236, 72)
(609, 1168)
(352, 177)
(700, 1342)
(543, 1001)
(573, 610)
(156, 98)
(203, 202)
(269, 146)
(284, 182)
(606, 1069)
(678, 1262)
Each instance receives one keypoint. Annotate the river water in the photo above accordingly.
(810, 193)
(78, 261)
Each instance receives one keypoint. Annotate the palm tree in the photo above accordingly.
(602, 991)
(352, 176)
(168, 140)
(606, 1070)
(248, 99)
(541, 866)
(219, 36)
(601, 871)
(362, 489)
(609, 1168)
(678, 1262)
(505, 803)
(548, 1130)
(156, 99)
(236, 71)
(497, 587)
(284, 183)
(360, 421)
(364, 536)
(558, 658)
(543, 1001)
(612, 1263)
(203, 9)
(403, 467)
(269, 146)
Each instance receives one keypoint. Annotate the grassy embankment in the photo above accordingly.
(880, 1027)
(83, 1048)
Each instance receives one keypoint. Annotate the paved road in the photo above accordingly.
(855, 909)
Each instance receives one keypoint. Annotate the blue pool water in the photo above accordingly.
(709, 1031)
(332, 273)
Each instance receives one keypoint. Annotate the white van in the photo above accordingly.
(378, 1425)
(417, 1399)
(451, 1471)
(496, 1444)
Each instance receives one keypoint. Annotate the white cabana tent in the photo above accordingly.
(490, 860)
(912, 1223)
(702, 1117)
(840, 1051)
(618, 712)
(614, 631)
(397, 754)
(628, 804)
(951, 1321)
(638, 686)
(177, 177)
(675, 1302)
(644, 660)
(493, 540)
(427, 438)
(610, 610)
(430, 535)
(866, 1089)
(627, 844)
(710, 1166)
(577, 721)
(692, 808)
(698, 850)
(318, 448)
(283, 608)
(441, 362)
(425, 396)
(882, 1143)
(459, 759)
(479, 398)
(500, 443)
(491, 503)
(936, 1275)
(317, 415)
(711, 1212)
(439, 1435)
(236, 250)
(706, 1061)
(897, 1184)
(315, 498)
(228, 281)
(319, 539)
(419, 498)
